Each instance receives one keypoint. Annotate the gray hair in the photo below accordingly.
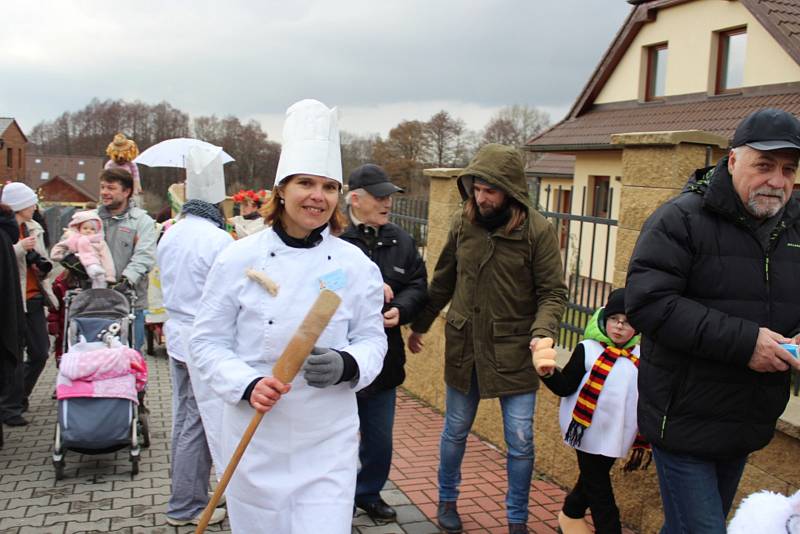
(737, 151)
(348, 199)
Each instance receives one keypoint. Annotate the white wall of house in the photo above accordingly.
(587, 166)
(688, 29)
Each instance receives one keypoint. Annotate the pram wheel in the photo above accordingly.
(59, 467)
(134, 466)
(144, 427)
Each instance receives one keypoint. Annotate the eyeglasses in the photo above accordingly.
(621, 322)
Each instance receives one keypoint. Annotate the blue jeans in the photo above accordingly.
(696, 493)
(138, 330)
(518, 432)
(376, 417)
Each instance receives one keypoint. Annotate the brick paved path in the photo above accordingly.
(98, 494)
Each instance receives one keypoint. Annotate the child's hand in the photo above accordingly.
(544, 357)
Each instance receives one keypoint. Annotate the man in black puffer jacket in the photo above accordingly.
(714, 287)
(405, 287)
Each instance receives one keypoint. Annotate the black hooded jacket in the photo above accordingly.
(395, 253)
(12, 327)
(700, 284)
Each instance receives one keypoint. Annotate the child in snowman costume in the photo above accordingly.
(599, 393)
(766, 512)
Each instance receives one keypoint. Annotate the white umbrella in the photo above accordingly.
(173, 152)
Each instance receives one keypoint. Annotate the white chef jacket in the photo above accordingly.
(185, 255)
(298, 474)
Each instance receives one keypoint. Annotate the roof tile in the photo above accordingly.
(718, 115)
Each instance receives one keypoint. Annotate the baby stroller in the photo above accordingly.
(101, 379)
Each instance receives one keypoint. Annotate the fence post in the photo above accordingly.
(443, 202)
(655, 167)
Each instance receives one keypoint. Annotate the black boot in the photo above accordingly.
(448, 518)
(517, 528)
(379, 511)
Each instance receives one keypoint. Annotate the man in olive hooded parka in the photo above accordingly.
(501, 272)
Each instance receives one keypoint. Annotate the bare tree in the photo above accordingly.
(444, 133)
(515, 125)
(403, 154)
(255, 157)
(356, 150)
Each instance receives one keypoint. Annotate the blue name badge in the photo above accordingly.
(333, 280)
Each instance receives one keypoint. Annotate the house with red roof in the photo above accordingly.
(674, 65)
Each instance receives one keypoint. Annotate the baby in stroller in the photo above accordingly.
(101, 379)
(84, 238)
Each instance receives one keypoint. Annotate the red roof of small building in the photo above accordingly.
(80, 172)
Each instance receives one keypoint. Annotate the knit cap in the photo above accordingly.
(615, 304)
(81, 217)
(18, 196)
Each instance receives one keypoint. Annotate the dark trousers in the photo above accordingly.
(38, 344)
(593, 491)
(11, 386)
(18, 380)
(376, 417)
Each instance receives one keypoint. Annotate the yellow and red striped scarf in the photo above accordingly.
(587, 403)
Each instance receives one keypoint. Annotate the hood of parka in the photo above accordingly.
(596, 330)
(502, 167)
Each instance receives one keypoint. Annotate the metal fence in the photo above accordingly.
(585, 237)
(411, 214)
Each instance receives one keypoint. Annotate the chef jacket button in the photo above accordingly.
(270, 321)
(272, 254)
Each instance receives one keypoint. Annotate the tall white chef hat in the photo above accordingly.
(205, 177)
(310, 142)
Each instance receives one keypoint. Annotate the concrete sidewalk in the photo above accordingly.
(99, 495)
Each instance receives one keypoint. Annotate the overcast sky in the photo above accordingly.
(379, 61)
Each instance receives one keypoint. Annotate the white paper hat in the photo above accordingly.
(310, 142)
(205, 177)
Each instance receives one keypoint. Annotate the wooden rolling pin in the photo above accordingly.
(285, 369)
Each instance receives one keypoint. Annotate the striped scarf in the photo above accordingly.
(587, 403)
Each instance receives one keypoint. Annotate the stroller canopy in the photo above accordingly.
(99, 302)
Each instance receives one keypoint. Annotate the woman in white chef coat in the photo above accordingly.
(298, 474)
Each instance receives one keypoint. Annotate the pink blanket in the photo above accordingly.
(94, 370)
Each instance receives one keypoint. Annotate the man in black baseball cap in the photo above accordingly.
(369, 202)
(712, 287)
(373, 179)
(763, 160)
(768, 129)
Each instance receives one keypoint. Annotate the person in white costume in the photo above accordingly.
(298, 474)
(185, 255)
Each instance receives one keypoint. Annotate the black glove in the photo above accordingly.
(72, 264)
(323, 368)
(123, 286)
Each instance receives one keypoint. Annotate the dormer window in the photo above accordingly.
(655, 82)
(731, 46)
